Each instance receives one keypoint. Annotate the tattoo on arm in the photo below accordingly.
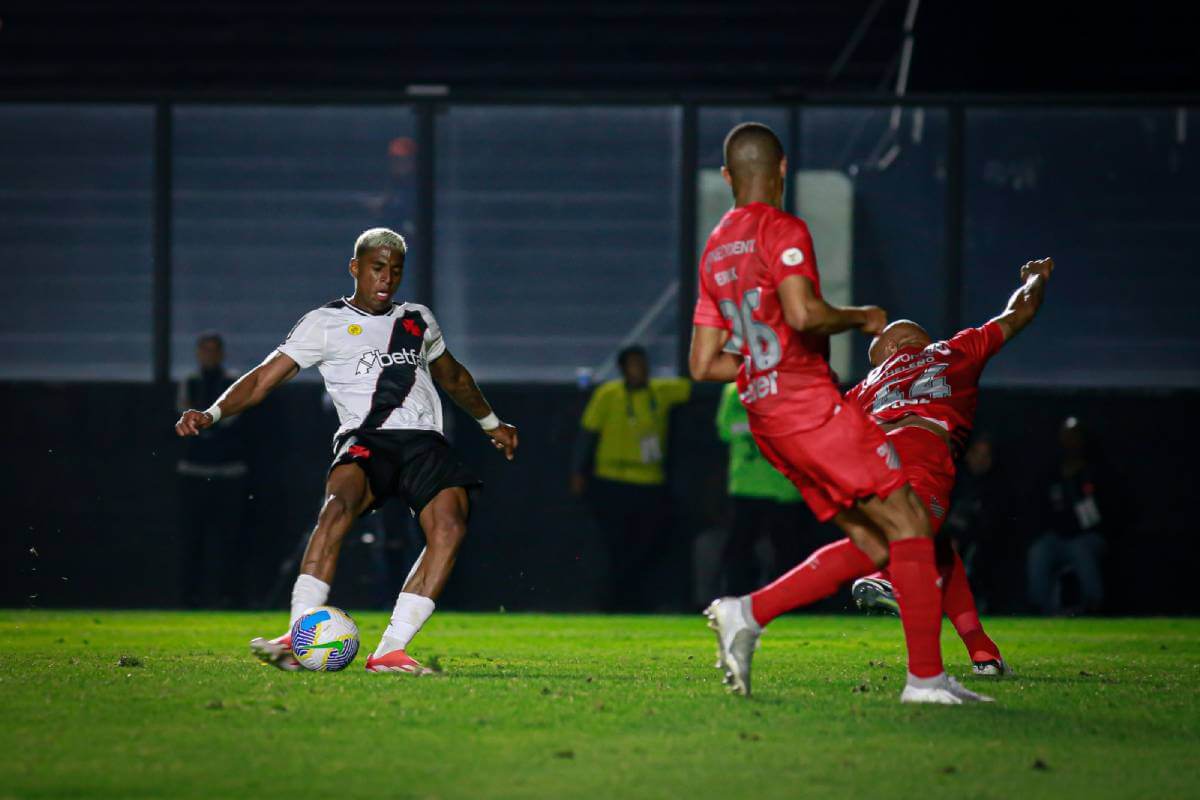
(458, 382)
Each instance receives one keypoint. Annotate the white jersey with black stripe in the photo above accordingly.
(375, 366)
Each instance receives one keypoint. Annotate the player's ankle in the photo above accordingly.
(387, 645)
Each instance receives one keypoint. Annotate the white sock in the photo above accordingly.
(410, 613)
(307, 593)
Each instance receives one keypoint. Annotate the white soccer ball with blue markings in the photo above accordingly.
(325, 639)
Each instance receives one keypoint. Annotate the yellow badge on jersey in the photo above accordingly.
(354, 330)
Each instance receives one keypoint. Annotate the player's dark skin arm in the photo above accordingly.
(1024, 304)
(247, 392)
(458, 382)
(808, 313)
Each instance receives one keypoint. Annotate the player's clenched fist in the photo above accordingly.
(192, 422)
(874, 320)
(504, 438)
(1043, 267)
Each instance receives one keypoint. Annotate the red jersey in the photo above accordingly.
(784, 381)
(939, 383)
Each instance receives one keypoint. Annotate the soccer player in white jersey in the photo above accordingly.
(379, 360)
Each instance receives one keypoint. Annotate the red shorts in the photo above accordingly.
(929, 469)
(837, 463)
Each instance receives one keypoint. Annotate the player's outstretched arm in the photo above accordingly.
(808, 313)
(246, 392)
(1024, 304)
(457, 382)
(707, 359)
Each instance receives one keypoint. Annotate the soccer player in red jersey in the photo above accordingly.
(923, 395)
(760, 320)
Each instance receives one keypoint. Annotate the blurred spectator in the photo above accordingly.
(212, 489)
(1073, 534)
(979, 510)
(766, 507)
(622, 443)
(396, 208)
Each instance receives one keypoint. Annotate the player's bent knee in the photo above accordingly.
(900, 515)
(875, 550)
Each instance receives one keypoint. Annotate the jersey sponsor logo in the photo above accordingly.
(740, 247)
(354, 330)
(901, 362)
(792, 257)
(761, 387)
(373, 358)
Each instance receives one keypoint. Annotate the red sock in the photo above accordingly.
(817, 578)
(915, 579)
(959, 605)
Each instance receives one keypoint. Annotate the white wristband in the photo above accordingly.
(214, 411)
(490, 422)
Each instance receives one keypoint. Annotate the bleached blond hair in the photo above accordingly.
(379, 237)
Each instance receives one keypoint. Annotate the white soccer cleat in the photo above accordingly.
(275, 652)
(965, 694)
(737, 639)
(930, 690)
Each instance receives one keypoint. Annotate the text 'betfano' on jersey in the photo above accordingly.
(784, 382)
(375, 366)
(939, 383)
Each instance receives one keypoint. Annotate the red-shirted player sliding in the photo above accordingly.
(923, 394)
(760, 319)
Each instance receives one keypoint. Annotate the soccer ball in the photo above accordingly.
(325, 639)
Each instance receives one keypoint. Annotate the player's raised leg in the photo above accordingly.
(347, 495)
(444, 521)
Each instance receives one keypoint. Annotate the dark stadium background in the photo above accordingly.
(618, 105)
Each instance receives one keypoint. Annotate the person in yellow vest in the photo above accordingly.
(622, 446)
(766, 506)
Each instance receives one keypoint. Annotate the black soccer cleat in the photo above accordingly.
(995, 668)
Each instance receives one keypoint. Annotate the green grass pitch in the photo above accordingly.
(542, 706)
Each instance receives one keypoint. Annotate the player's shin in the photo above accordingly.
(819, 576)
(915, 577)
(412, 611)
(958, 603)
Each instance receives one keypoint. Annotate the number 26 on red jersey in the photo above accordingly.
(765, 350)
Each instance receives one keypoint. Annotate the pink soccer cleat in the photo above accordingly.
(275, 652)
(396, 661)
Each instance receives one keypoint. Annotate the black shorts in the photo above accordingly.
(412, 465)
